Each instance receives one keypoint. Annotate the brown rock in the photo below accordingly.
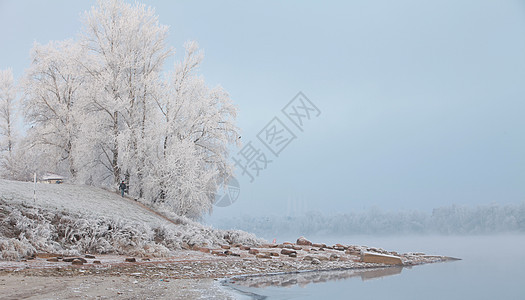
(274, 254)
(334, 257)
(297, 248)
(237, 245)
(97, 262)
(203, 249)
(52, 259)
(287, 252)
(315, 261)
(244, 248)
(353, 252)
(185, 246)
(303, 241)
(71, 259)
(77, 261)
(369, 257)
(319, 245)
(339, 247)
(253, 251)
(130, 259)
(225, 247)
(89, 256)
(263, 255)
(293, 254)
(308, 257)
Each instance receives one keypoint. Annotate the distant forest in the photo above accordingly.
(449, 220)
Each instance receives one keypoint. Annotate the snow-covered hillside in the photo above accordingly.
(72, 219)
(84, 200)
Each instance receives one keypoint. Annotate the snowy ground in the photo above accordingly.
(109, 287)
(78, 199)
(73, 219)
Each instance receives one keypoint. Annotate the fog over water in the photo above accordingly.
(492, 267)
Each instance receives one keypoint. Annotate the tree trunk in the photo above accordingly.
(114, 163)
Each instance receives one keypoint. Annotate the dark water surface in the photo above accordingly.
(492, 267)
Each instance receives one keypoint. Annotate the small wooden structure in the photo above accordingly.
(53, 178)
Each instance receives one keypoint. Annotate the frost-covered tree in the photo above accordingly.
(100, 109)
(28, 159)
(127, 46)
(7, 111)
(198, 126)
(51, 93)
(8, 134)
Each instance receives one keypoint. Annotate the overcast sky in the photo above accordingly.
(421, 102)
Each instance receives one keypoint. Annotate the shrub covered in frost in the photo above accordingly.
(13, 249)
(195, 233)
(26, 230)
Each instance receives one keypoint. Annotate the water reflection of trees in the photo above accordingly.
(305, 278)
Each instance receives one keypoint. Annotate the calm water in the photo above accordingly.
(492, 267)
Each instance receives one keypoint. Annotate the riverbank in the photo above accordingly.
(187, 273)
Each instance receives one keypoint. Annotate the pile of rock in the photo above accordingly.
(74, 260)
(305, 250)
(77, 260)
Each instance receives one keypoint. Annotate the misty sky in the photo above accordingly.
(421, 102)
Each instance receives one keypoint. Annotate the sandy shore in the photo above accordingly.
(17, 286)
(188, 274)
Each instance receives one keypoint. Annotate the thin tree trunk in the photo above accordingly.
(114, 163)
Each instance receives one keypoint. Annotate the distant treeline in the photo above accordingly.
(455, 219)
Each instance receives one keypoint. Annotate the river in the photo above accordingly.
(491, 267)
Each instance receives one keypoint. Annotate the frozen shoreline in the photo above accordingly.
(188, 273)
